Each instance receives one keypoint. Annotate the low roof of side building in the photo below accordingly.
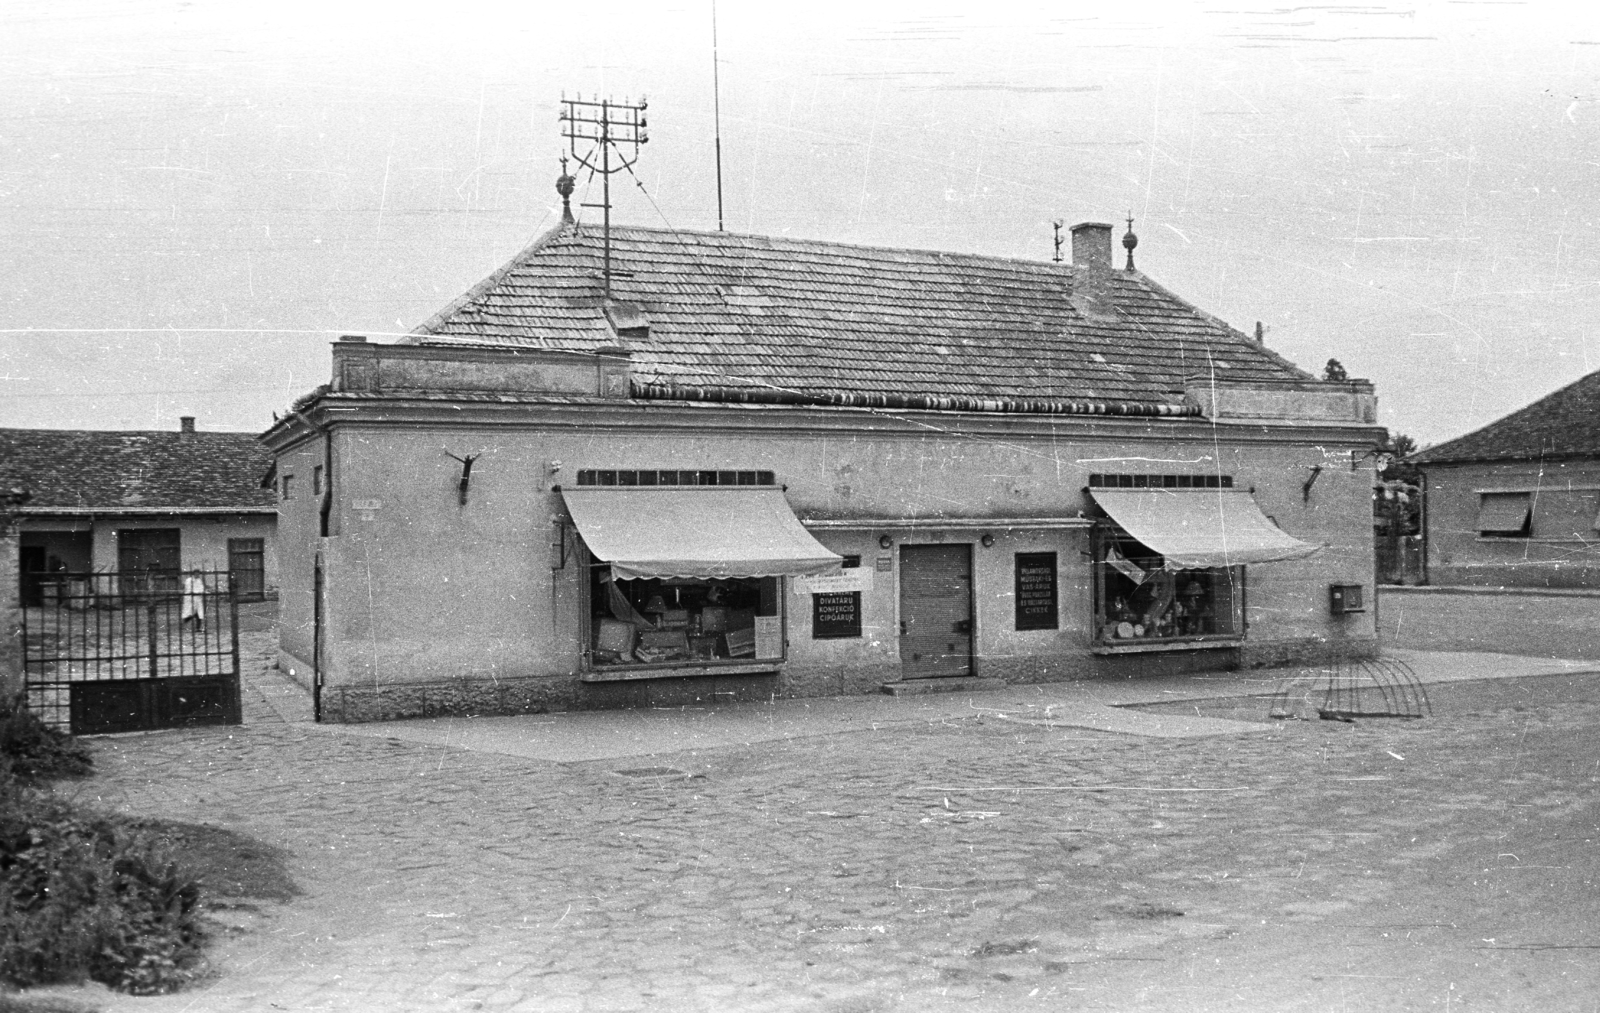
(97, 471)
(1563, 424)
(730, 310)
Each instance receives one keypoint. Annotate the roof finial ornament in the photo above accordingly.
(1129, 241)
(565, 184)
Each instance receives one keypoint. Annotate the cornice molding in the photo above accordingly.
(628, 417)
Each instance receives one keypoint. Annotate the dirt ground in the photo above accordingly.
(976, 864)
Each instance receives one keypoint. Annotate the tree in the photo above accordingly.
(1399, 446)
(1334, 370)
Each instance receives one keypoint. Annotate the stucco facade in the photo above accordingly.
(434, 600)
(1517, 502)
(178, 499)
(1560, 545)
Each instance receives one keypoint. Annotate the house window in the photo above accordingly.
(1036, 593)
(681, 620)
(247, 567)
(316, 480)
(288, 487)
(836, 615)
(1505, 514)
(1138, 599)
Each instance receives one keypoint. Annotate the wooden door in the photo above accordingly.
(935, 611)
(149, 559)
(247, 567)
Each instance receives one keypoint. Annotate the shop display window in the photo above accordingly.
(1139, 599)
(681, 620)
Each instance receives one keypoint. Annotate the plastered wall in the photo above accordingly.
(1563, 549)
(422, 588)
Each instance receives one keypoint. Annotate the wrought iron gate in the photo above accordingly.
(133, 651)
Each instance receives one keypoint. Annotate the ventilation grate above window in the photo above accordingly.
(648, 477)
(1125, 481)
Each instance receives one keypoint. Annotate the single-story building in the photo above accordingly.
(678, 466)
(1517, 503)
(154, 503)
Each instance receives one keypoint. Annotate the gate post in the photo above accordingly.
(12, 496)
(150, 631)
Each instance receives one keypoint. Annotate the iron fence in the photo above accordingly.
(118, 651)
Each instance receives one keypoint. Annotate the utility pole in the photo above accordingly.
(607, 128)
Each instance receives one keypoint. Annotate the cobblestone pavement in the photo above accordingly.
(972, 864)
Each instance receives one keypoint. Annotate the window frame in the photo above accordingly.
(595, 671)
(1106, 533)
(1524, 533)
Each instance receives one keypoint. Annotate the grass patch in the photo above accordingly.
(30, 750)
(87, 896)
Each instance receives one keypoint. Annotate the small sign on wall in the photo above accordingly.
(769, 637)
(857, 578)
(1037, 591)
(835, 616)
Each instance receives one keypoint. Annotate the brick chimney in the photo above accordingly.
(1091, 245)
(1091, 270)
(186, 424)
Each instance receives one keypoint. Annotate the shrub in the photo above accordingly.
(89, 896)
(36, 751)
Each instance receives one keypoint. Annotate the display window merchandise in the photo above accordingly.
(680, 620)
(1141, 598)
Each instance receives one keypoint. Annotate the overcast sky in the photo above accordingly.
(197, 197)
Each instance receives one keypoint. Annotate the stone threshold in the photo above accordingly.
(918, 687)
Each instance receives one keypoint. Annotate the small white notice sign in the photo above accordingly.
(857, 578)
(367, 504)
(769, 636)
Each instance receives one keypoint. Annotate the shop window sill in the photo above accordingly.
(620, 673)
(1149, 646)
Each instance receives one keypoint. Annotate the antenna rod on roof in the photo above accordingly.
(716, 106)
(608, 125)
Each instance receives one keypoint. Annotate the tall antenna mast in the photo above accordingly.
(716, 105)
(607, 128)
(1057, 226)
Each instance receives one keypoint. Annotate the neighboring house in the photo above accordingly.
(1517, 503)
(777, 467)
(147, 502)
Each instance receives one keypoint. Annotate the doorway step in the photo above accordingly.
(914, 687)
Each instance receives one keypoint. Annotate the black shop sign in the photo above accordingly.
(837, 614)
(1036, 591)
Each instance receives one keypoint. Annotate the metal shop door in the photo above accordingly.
(935, 610)
(117, 652)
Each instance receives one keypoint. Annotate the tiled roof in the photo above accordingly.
(729, 309)
(1564, 424)
(81, 469)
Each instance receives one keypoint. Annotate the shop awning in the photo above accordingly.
(697, 532)
(1197, 528)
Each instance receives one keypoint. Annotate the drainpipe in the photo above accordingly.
(11, 645)
(319, 585)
